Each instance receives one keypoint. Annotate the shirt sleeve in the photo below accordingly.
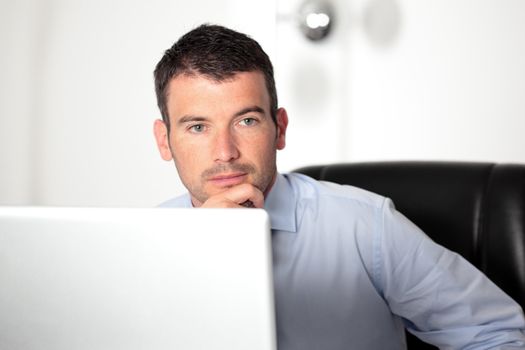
(442, 298)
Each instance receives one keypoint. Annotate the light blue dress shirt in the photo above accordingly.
(350, 272)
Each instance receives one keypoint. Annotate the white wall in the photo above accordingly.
(407, 79)
(451, 85)
(18, 37)
(312, 81)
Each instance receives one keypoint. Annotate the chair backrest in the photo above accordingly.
(475, 209)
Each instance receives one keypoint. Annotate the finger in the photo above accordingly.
(248, 204)
(249, 196)
(245, 195)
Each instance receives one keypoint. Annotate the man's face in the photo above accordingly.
(221, 134)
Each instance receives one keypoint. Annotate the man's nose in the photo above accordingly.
(226, 148)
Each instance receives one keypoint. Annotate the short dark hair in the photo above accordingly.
(215, 52)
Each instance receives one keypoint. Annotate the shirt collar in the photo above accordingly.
(280, 204)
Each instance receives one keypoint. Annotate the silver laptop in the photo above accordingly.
(78, 278)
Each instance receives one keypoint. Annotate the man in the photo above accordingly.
(350, 271)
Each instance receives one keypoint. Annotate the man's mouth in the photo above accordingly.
(228, 180)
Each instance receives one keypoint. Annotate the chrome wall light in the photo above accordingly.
(316, 19)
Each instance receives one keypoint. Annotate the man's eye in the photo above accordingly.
(248, 121)
(197, 128)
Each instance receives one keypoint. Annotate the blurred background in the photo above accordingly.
(383, 80)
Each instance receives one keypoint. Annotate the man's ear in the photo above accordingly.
(282, 124)
(161, 136)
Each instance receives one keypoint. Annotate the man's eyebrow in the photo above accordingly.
(198, 118)
(191, 119)
(251, 109)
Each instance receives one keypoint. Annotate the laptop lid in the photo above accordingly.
(93, 278)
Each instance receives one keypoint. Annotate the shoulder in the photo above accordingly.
(309, 189)
(182, 201)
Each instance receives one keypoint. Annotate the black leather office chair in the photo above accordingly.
(475, 209)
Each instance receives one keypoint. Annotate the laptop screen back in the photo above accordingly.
(77, 278)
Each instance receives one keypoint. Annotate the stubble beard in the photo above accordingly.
(260, 179)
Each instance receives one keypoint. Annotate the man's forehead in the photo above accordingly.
(187, 93)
